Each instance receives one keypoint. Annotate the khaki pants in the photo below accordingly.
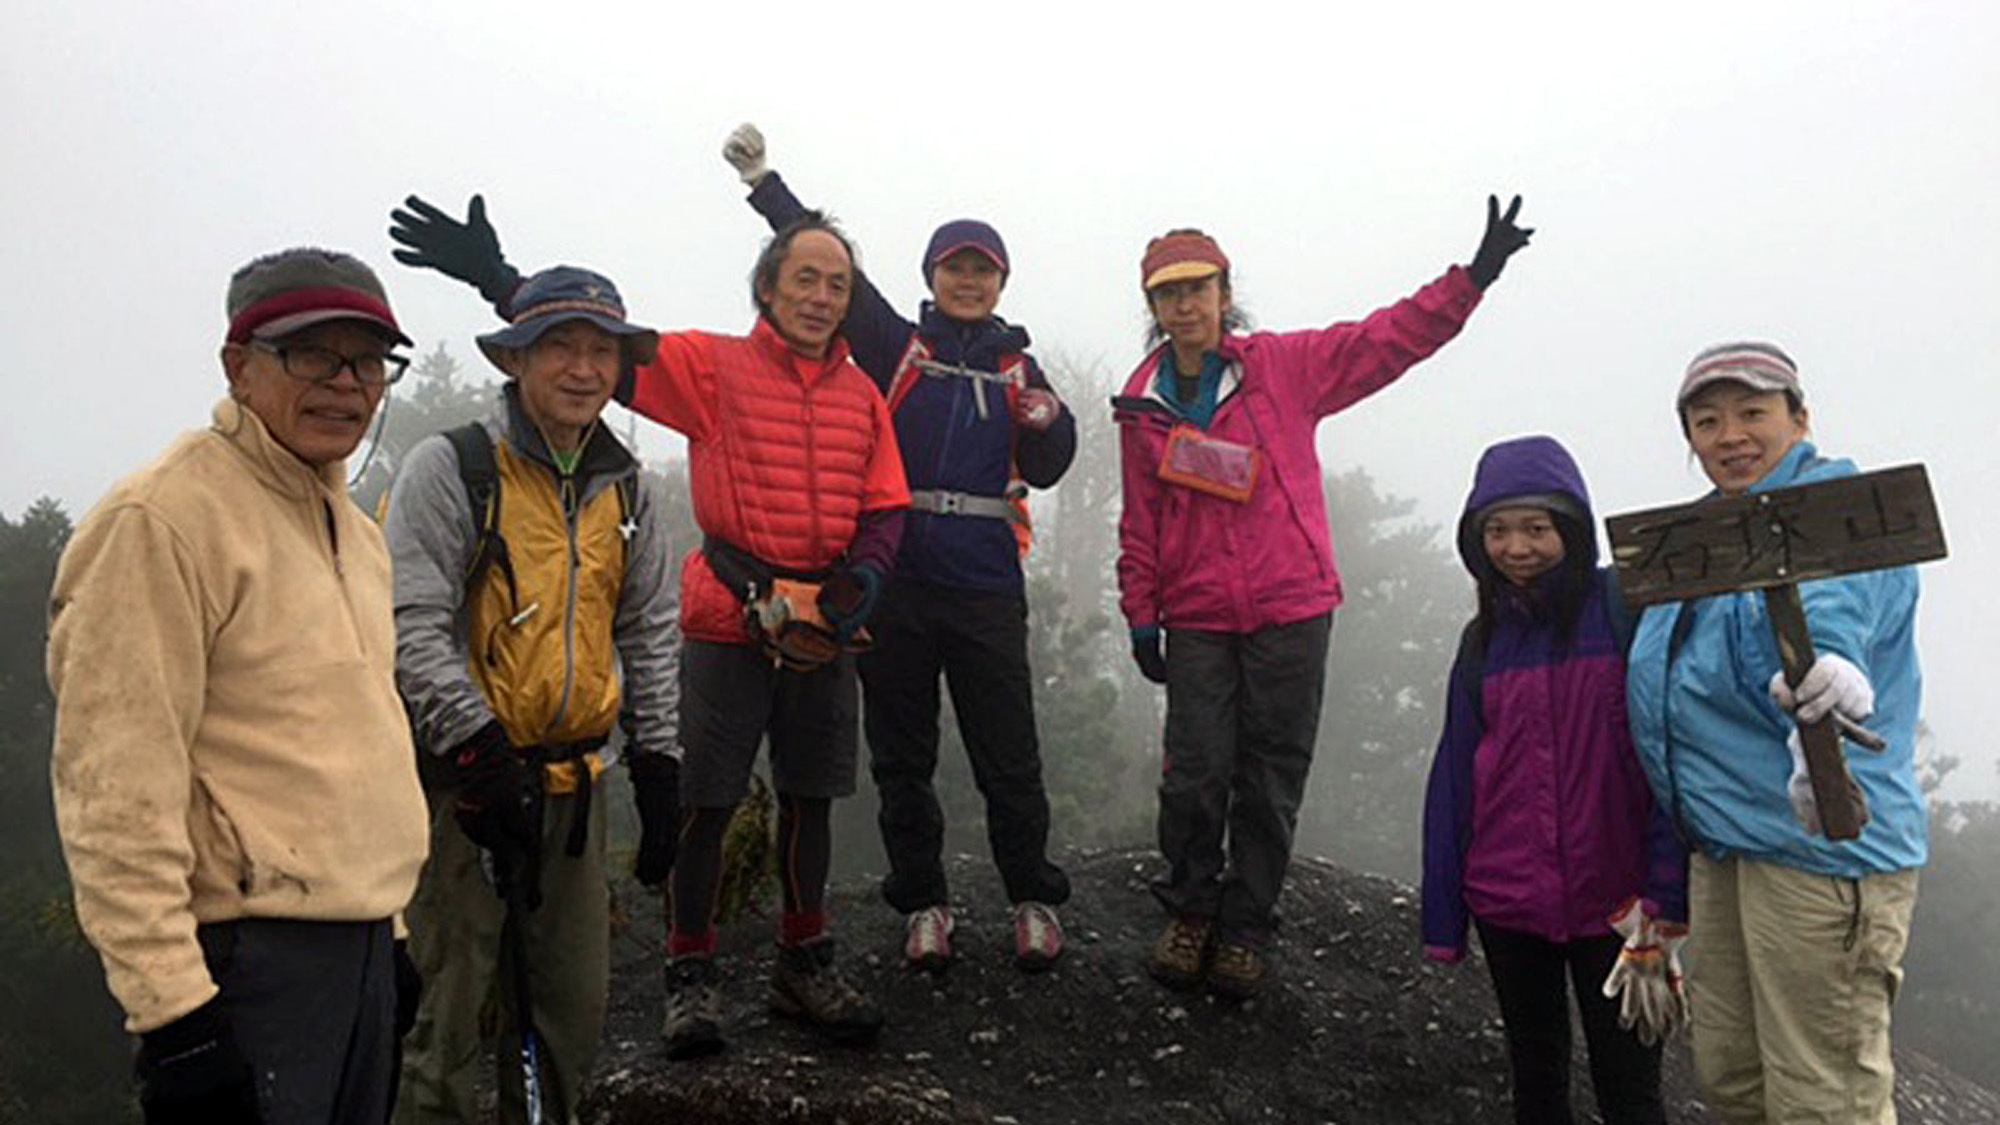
(467, 1014)
(1790, 980)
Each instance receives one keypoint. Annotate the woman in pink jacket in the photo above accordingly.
(1227, 576)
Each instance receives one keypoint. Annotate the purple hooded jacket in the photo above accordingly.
(1538, 817)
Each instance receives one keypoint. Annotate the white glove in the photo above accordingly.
(1831, 684)
(1647, 980)
(745, 152)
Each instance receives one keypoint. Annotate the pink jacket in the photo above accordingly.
(1191, 560)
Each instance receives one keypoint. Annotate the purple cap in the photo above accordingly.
(964, 234)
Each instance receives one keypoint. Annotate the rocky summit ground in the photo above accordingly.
(1355, 1028)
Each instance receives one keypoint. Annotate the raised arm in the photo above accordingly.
(876, 333)
(1343, 364)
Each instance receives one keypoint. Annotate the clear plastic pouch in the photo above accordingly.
(1209, 464)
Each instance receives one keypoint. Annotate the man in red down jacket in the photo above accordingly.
(793, 463)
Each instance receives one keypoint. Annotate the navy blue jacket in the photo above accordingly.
(945, 443)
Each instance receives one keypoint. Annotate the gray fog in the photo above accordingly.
(1819, 174)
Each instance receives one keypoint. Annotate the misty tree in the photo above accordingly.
(1951, 991)
(432, 398)
(63, 1057)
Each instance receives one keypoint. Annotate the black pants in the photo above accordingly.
(1529, 977)
(979, 642)
(312, 1005)
(1242, 717)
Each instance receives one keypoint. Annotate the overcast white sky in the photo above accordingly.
(1821, 174)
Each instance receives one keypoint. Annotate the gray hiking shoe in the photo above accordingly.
(693, 1027)
(806, 986)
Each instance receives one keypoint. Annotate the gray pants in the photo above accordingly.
(312, 1005)
(1242, 716)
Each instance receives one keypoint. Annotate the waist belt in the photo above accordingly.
(579, 761)
(941, 503)
(746, 575)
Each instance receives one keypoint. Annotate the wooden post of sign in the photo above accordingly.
(1772, 541)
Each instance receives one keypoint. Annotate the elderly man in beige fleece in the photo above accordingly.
(234, 778)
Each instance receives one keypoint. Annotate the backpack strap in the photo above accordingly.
(1623, 623)
(480, 473)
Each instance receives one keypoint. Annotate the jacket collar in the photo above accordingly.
(276, 467)
(603, 454)
(774, 346)
(970, 344)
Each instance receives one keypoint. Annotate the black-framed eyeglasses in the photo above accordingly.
(315, 364)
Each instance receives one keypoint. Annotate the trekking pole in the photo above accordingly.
(515, 930)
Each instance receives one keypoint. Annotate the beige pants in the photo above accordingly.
(1791, 978)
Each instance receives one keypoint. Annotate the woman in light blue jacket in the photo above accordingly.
(1796, 941)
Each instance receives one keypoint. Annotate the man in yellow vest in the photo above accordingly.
(535, 609)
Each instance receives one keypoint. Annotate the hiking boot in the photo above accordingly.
(1038, 937)
(1181, 953)
(806, 986)
(693, 1026)
(1237, 971)
(928, 946)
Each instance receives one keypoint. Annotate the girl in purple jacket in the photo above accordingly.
(1226, 573)
(1538, 823)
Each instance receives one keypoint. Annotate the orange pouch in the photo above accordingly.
(1206, 464)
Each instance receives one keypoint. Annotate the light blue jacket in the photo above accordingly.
(1713, 743)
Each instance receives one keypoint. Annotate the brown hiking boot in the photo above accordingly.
(1237, 972)
(1181, 952)
(806, 986)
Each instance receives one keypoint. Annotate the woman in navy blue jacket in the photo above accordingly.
(978, 425)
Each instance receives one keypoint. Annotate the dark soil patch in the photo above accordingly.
(1355, 1027)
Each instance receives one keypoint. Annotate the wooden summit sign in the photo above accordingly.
(1772, 541)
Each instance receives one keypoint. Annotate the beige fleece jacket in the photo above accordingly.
(229, 742)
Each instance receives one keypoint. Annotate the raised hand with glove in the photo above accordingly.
(656, 788)
(467, 251)
(744, 150)
(1148, 654)
(1647, 980)
(1501, 240)
(191, 1073)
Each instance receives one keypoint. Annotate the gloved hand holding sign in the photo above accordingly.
(1832, 686)
(1647, 980)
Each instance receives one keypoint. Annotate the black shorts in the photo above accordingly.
(733, 697)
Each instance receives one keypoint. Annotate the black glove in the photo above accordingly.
(656, 788)
(848, 598)
(1147, 654)
(1501, 240)
(498, 801)
(190, 1073)
(468, 251)
(409, 989)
